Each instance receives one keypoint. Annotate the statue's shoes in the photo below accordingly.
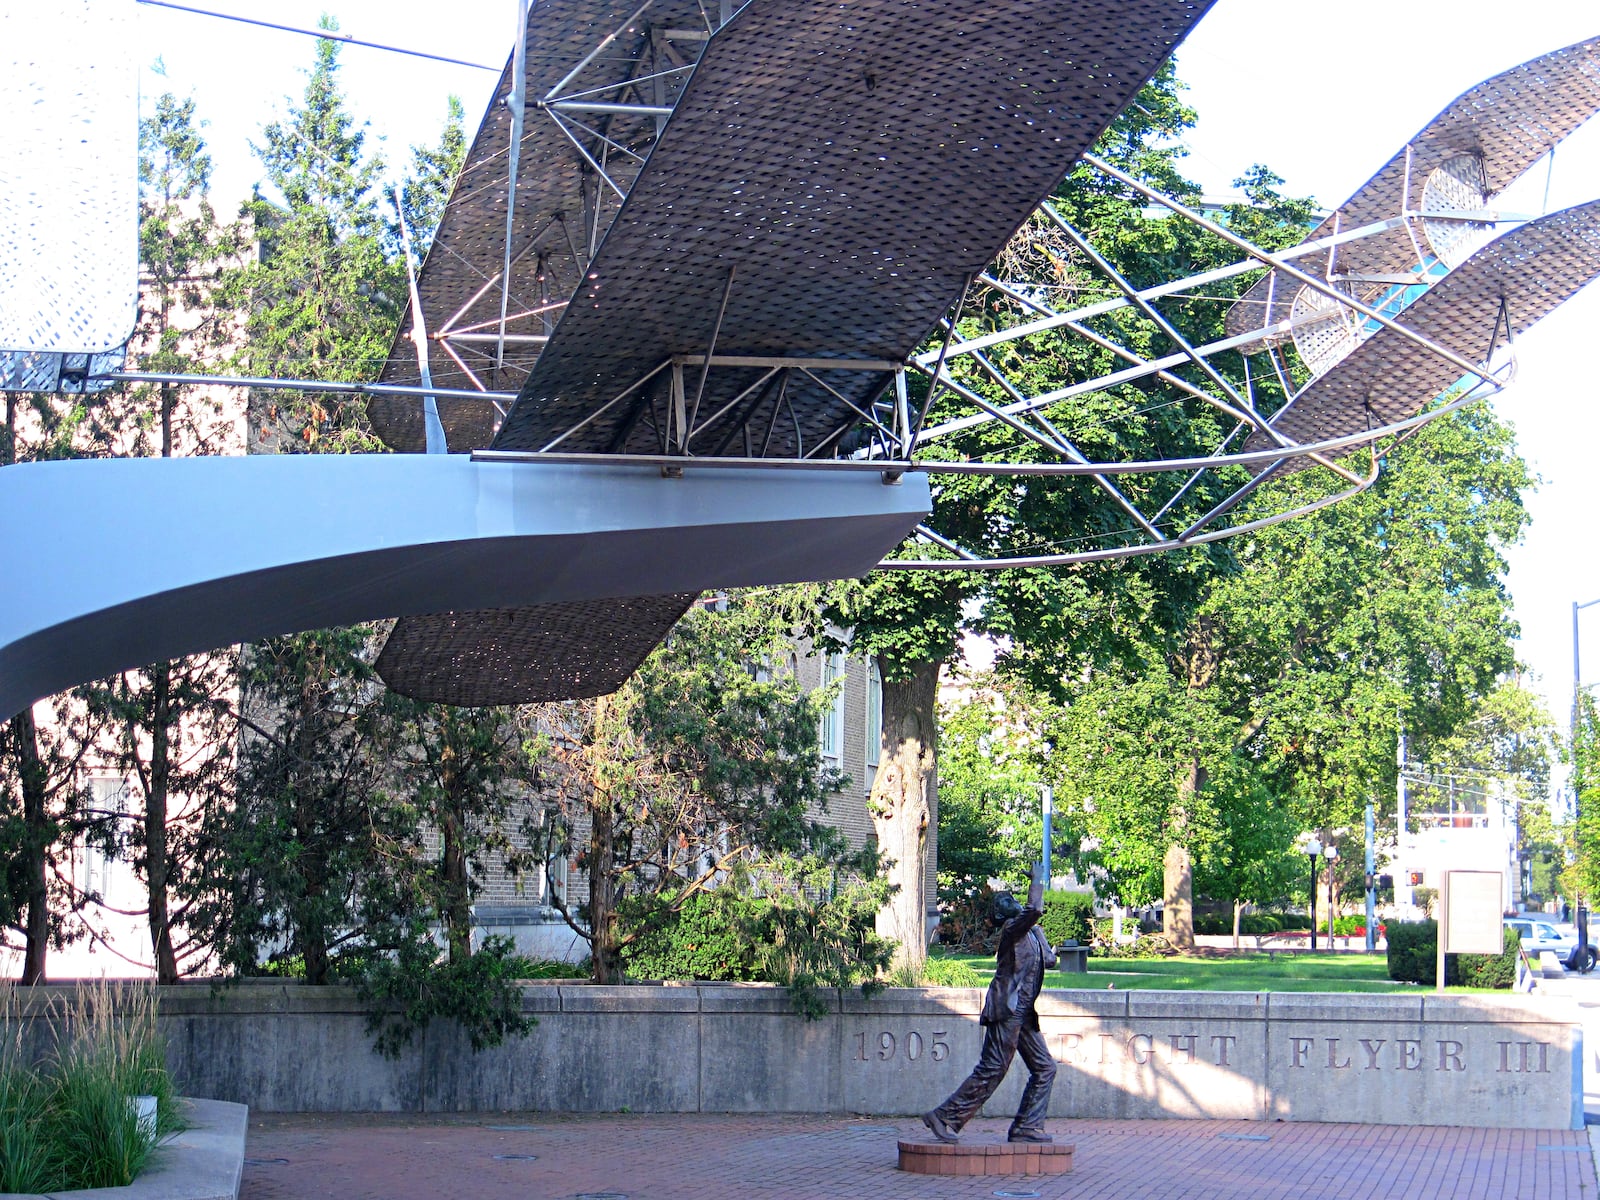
(939, 1129)
(1029, 1135)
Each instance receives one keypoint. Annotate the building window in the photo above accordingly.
(549, 878)
(874, 713)
(108, 802)
(830, 735)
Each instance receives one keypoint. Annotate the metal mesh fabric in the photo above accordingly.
(69, 236)
(1506, 123)
(1531, 269)
(525, 655)
(561, 207)
(853, 166)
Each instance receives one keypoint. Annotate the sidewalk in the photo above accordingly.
(543, 1156)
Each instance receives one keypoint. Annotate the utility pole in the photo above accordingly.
(1580, 908)
(1372, 883)
(1402, 880)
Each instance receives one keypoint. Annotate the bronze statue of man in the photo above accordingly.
(1010, 1026)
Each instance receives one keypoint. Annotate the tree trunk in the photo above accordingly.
(457, 913)
(155, 823)
(1177, 889)
(604, 953)
(603, 948)
(1238, 907)
(310, 932)
(904, 805)
(37, 836)
(1177, 869)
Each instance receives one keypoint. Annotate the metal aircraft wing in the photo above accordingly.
(829, 180)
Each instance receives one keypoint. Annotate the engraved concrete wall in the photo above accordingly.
(1396, 1059)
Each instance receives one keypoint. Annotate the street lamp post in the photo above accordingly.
(1331, 853)
(1581, 914)
(1314, 852)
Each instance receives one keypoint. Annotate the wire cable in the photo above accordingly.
(330, 34)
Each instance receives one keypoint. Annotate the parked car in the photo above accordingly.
(1562, 941)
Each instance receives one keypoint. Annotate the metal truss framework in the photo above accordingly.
(639, 311)
(1349, 301)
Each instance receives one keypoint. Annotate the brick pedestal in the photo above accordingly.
(985, 1158)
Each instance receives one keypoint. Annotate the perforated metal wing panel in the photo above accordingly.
(1506, 123)
(562, 208)
(69, 239)
(1530, 270)
(851, 166)
(835, 173)
(526, 655)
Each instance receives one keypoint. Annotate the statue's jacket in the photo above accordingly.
(1020, 963)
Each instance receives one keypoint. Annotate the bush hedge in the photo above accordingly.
(1251, 924)
(700, 941)
(1068, 916)
(1414, 950)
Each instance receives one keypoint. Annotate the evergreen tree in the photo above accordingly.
(174, 722)
(41, 806)
(702, 770)
(323, 300)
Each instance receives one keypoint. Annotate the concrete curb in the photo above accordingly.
(204, 1162)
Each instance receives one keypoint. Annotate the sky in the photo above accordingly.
(1323, 94)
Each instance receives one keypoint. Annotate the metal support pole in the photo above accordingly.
(1049, 806)
(433, 428)
(1313, 859)
(517, 102)
(1372, 882)
(1402, 880)
(1332, 945)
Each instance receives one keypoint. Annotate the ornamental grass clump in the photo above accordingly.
(69, 1120)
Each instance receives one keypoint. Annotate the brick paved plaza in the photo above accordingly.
(678, 1157)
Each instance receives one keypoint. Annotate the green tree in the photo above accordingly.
(465, 774)
(1582, 877)
(992, 764)
(1064, 622)
(174, 722)
(302, 865)
(323, 300)
(43, 813)
(1295, 669)
(705, 761)
(40, 803)
(1254, 859)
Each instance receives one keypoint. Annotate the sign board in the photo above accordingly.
(1471, 908)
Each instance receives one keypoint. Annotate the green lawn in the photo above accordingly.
(1243, 972)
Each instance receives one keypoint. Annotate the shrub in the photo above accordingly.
(1260, 924)
(1149, 945)
(1349, 925)
(1068, 916)
(68, 1123)
(795, 921)
(964, 922)
(1413, 955)
(1488, 970)
(418, 983)
(1413, 949)
(938, 971)
(702, 940)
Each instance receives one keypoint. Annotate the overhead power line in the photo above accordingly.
(329, 34)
